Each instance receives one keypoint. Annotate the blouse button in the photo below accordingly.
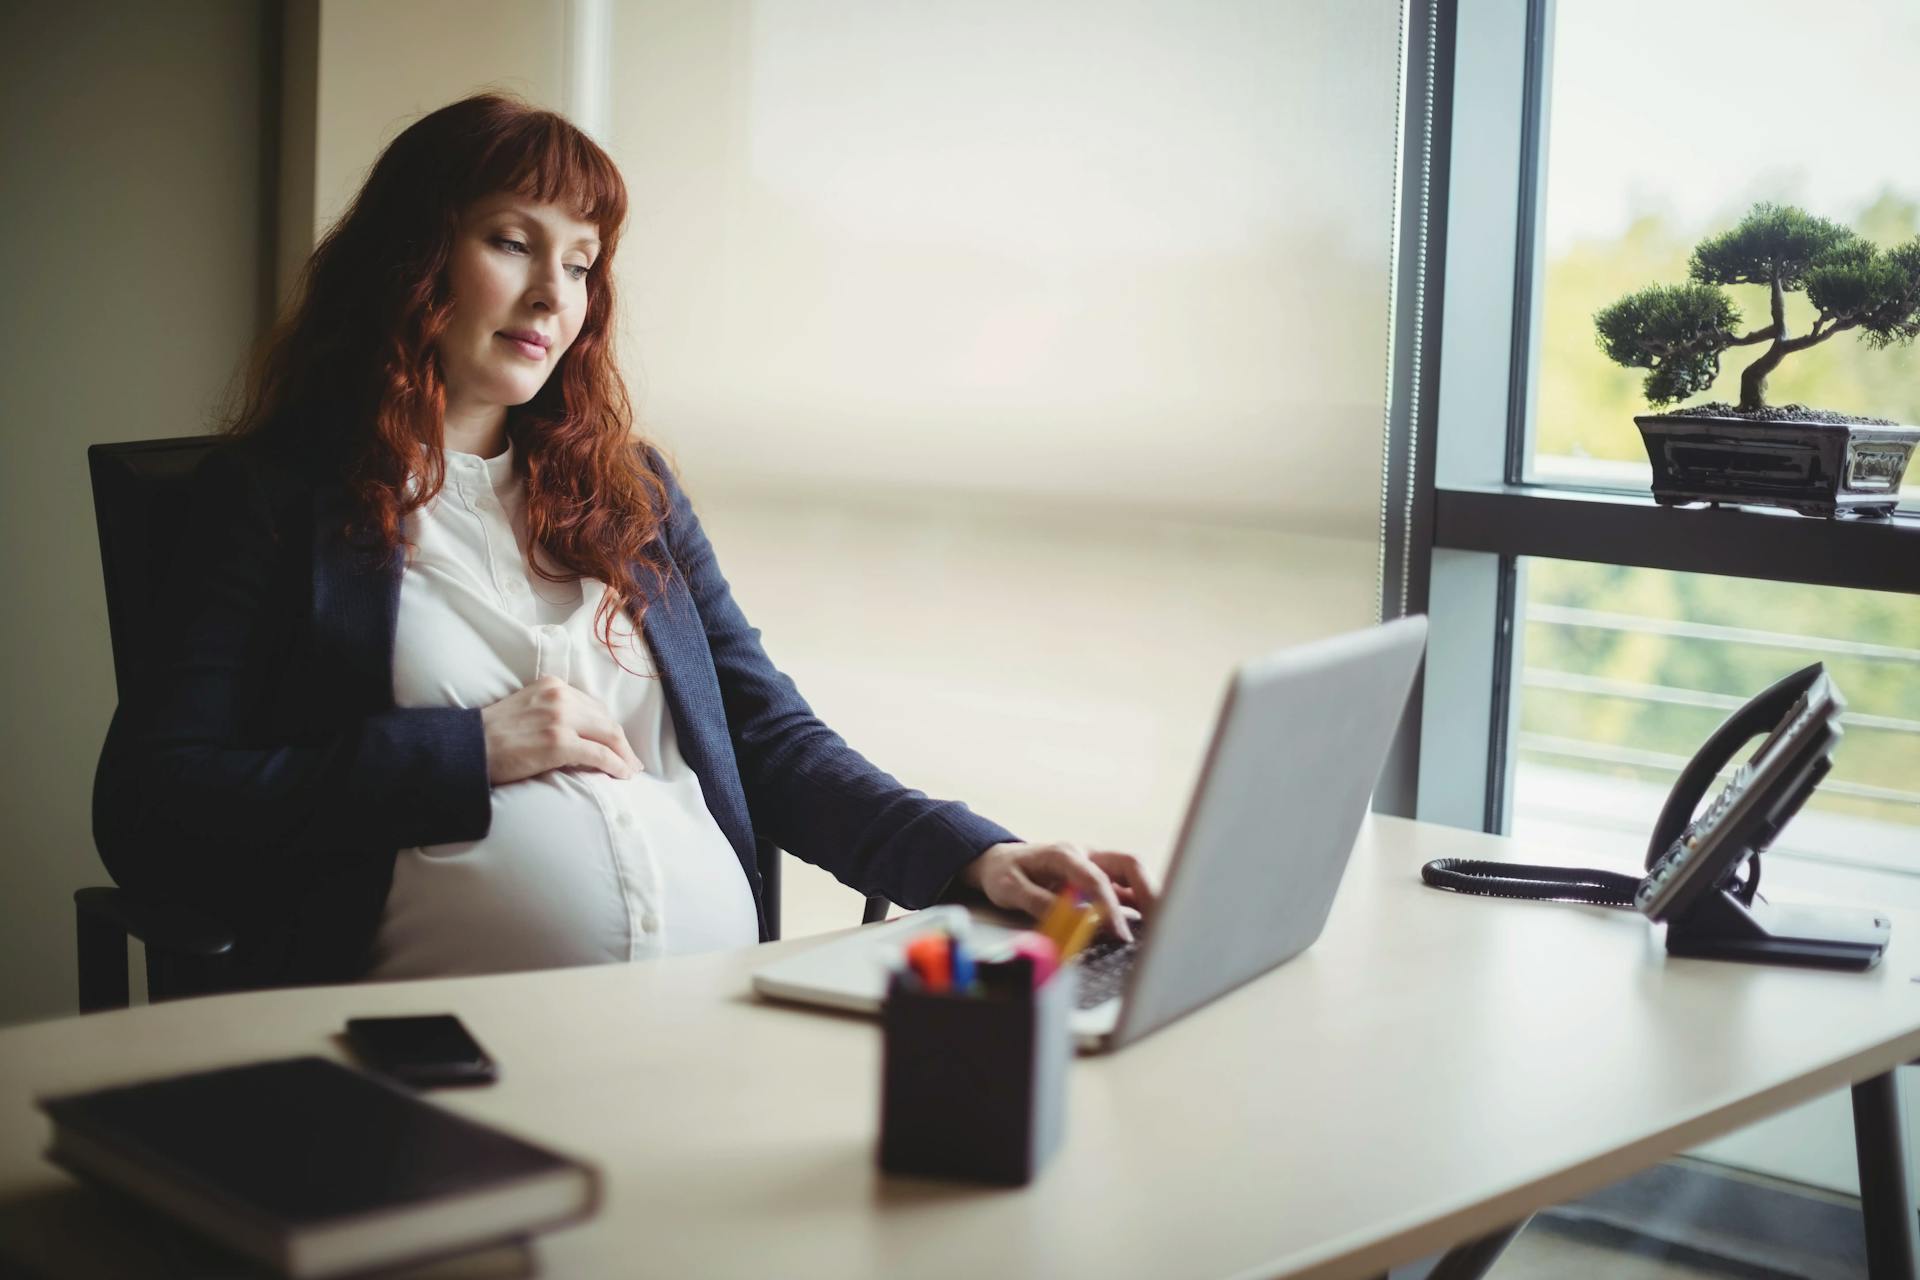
(650, 922)
(623, 820)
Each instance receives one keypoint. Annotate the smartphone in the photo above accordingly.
(426, 1050)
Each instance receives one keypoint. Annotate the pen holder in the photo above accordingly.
(975, 1086)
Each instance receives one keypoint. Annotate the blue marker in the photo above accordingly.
(962, 964)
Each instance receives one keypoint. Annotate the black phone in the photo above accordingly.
(428, 1049)
(1703, 863)
(1687, 855)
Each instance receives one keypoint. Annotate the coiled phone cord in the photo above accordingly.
(1771, 710)
(1524, 880)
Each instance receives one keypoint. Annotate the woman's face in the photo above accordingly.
(519, 279)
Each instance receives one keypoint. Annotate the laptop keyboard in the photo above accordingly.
(1104, 966)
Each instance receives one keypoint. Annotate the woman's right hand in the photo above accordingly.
(551, 725)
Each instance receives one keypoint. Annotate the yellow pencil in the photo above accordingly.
(1060, 919)
(1082, 934)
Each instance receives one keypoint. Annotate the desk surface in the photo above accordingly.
(1436, 1067)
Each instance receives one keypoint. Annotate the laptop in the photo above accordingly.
(1288, 775)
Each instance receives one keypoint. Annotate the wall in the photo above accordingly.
(383, 65)
(150, 230)
(132, 151)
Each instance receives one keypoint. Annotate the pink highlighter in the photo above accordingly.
(1039, 949)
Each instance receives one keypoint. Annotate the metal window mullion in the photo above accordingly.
(1523, 362)
(1478, 388)
(1407, 469)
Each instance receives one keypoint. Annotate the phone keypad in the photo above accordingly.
(1669, 877)
(1673, 863)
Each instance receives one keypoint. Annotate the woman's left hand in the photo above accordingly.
(1025, 877)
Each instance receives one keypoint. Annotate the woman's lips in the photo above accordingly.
(531, 350)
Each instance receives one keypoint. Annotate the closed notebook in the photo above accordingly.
(315, 1168)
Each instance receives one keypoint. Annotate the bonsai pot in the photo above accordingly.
(1810, 460)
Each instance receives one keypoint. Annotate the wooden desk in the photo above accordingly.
(1434, 1069)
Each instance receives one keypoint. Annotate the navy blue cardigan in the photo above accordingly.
(259, 769)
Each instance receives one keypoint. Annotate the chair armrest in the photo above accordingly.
(163, 925)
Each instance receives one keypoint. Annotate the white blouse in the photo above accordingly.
(578, 867)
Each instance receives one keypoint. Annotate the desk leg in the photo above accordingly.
(1472, 1260)
(1880, 1144)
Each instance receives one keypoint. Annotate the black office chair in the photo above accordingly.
(139, 505)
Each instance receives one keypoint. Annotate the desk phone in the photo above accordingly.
(1703, 872)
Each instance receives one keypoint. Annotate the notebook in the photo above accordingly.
(314, 1168)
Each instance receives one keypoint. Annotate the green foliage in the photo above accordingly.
(1772, 241)
(1863, 286)
(1677, 332)
(1896, 319)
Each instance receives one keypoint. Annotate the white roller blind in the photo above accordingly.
(1108, 253)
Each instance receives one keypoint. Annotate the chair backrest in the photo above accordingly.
(140, 507)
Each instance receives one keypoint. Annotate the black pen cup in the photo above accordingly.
(975, 1086)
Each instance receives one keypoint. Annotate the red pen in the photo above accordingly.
(931, 957)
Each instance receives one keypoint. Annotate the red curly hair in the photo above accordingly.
(350, 373)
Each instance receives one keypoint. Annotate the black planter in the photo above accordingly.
(1815, 468)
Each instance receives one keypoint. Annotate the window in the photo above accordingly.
(1629, 192)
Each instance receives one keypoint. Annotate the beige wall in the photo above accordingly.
(139, 235)
(133, 251)
(384, 64)
(357, 72)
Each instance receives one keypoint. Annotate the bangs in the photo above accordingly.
(544, 158)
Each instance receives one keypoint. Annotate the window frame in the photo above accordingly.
(1459, 520)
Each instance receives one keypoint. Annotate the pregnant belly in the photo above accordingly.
(541, 890)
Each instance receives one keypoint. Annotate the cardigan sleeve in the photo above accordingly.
(806, 789)
(182, 787)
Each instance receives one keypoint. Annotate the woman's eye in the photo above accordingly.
(519, 248)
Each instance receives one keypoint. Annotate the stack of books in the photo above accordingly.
(314, 1168)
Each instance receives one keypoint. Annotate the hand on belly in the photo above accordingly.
(542, 888)
(551, 725)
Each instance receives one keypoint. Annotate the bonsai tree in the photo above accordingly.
(1678, 332)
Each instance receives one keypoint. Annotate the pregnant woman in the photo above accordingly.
(449, 680)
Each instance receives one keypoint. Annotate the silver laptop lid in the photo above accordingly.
(1296, 750)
